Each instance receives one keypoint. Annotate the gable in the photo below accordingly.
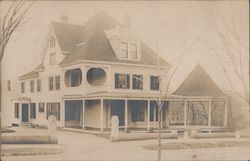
(198, 83)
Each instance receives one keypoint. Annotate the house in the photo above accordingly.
(89, 73)
(92, 72)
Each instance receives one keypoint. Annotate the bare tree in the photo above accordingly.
(11, 20)
(234, 58)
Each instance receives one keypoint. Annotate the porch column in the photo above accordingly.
(185, 113)
(63, 112)
(148, 114)
(126, 114)
(101, 116)
(83, 114)
(225, 114)
(209, 113)
(154, 114)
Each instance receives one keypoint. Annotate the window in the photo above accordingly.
(73, 77)
(96, 76)
(137, 114)
(53, 109)
(32, 110)
(8, 85)
(133, 51)
(137, 82)
(52, 58)
(124, 50)
(57, 82)
(16, 110)
(39, 85)
(32, 86)
(52, 41)
(154, 83)
(122, 81)
(22, 87)
(41, 107)
(51, 83)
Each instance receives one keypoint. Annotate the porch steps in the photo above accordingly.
(27, 125)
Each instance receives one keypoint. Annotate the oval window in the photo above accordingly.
(96, 76)
(73, 77)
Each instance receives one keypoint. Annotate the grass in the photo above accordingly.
(177, 146)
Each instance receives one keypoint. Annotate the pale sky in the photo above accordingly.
(177, 26)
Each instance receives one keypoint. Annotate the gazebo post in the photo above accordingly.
(225, 113)
(148, 114)
(101, 115)
(126, 114)
(185, 113)
(209, 113)
(83, 114)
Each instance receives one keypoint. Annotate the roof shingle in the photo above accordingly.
(198, 83)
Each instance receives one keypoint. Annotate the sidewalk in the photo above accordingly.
(82, 146)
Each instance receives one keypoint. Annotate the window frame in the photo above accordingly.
(32, 86)
(52, 61)
(154, 87)
(8, 85)
(136, 80)
(39, 85)
(41, 108)
(22, 87)
(53, 108)
(134, 51)
(124, 50)
(16, 110)
(57, 82)
(126, 80)
(51, 83)
(32, 110)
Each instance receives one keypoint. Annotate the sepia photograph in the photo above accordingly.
(124, 80)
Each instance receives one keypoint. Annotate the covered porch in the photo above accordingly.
(141, 112)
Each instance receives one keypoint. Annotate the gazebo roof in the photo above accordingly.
(199, 83)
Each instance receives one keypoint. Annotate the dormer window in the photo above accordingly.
(129, 50)
(124, 50)
(52, 41)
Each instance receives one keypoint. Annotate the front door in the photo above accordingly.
(25, 113)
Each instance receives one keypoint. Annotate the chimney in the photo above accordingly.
(64, 18)
(127, 20)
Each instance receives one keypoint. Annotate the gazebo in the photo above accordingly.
(202, 103)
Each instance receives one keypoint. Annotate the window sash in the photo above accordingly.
(32, 86)
(22, 87)
(53, 109)
(154, 83)
(16, 110)
(122, 81)
(124, 49)
(51, 83)
(32, 110)
(137, 82)
(57, 82)
(133, 51)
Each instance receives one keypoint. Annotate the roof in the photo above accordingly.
(198, 83)
(98, 48)
(34, 72)
(68, 35)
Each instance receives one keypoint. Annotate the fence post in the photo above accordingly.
(52, 129)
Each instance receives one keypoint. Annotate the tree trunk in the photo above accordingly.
(159, 135)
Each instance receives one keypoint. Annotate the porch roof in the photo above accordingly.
(133, 96)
